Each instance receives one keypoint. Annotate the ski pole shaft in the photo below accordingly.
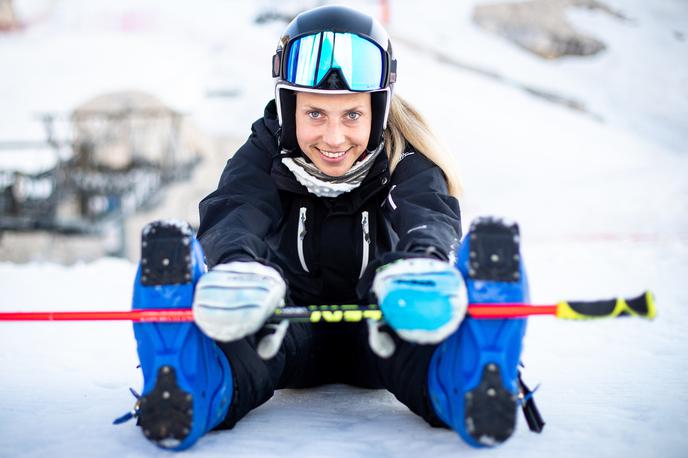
(642, 306)
(158, 315)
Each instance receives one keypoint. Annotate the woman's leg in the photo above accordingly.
(193, 384)
(469, 382)
(187, 380)
(301, 362)
(473, 376)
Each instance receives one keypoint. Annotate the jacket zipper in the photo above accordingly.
(366, 242)
(300, 235)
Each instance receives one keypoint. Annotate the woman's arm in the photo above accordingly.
(422, 213)
(235, 218)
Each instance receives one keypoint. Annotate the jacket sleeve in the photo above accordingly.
(421, 213)
(235, 218)
(420, 210)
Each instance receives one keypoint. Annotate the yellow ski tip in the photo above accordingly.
(651, 308)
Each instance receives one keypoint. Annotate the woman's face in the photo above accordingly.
(333, 129)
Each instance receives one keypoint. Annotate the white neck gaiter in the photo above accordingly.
(323, 185)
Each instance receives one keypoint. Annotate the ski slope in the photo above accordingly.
(601, 205)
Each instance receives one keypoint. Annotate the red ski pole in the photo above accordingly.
(642, 306)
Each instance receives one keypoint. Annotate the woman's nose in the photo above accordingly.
(334, 135)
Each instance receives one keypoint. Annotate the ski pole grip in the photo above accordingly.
(642, 306)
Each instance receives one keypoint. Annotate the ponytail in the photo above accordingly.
(406, 125)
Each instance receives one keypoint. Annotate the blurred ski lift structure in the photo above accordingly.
(113, 156)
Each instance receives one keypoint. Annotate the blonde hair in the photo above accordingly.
(407, 126)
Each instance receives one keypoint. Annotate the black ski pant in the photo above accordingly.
(322, 353)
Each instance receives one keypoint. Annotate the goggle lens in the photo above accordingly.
(360, 61)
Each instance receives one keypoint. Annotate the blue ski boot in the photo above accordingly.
(188, 383)
(473, 374)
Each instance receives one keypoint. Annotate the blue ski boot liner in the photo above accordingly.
(188, 383)
(473, 375)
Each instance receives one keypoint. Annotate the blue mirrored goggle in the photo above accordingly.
(312, 58)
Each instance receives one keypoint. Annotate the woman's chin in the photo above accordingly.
(335, 170)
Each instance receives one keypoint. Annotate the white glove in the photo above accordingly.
(235, 300)
(423, 300)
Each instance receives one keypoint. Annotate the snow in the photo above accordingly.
(601, 207)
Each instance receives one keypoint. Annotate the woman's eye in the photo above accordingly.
(353, 115)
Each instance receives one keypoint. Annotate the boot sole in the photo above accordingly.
(166, 411)
(490, 409)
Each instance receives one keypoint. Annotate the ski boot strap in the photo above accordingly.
(535, 422)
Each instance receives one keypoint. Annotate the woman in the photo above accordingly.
(340, 195)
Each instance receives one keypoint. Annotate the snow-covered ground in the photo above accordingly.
(602, 208)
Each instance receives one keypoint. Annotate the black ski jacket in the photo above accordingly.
(327, 249)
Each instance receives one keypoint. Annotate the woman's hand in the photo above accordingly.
(423, 300)
(234, 300)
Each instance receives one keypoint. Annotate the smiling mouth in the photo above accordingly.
(333, 154)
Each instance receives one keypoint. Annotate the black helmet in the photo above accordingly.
(333, 49)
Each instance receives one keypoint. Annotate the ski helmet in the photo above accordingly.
(333, 50)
